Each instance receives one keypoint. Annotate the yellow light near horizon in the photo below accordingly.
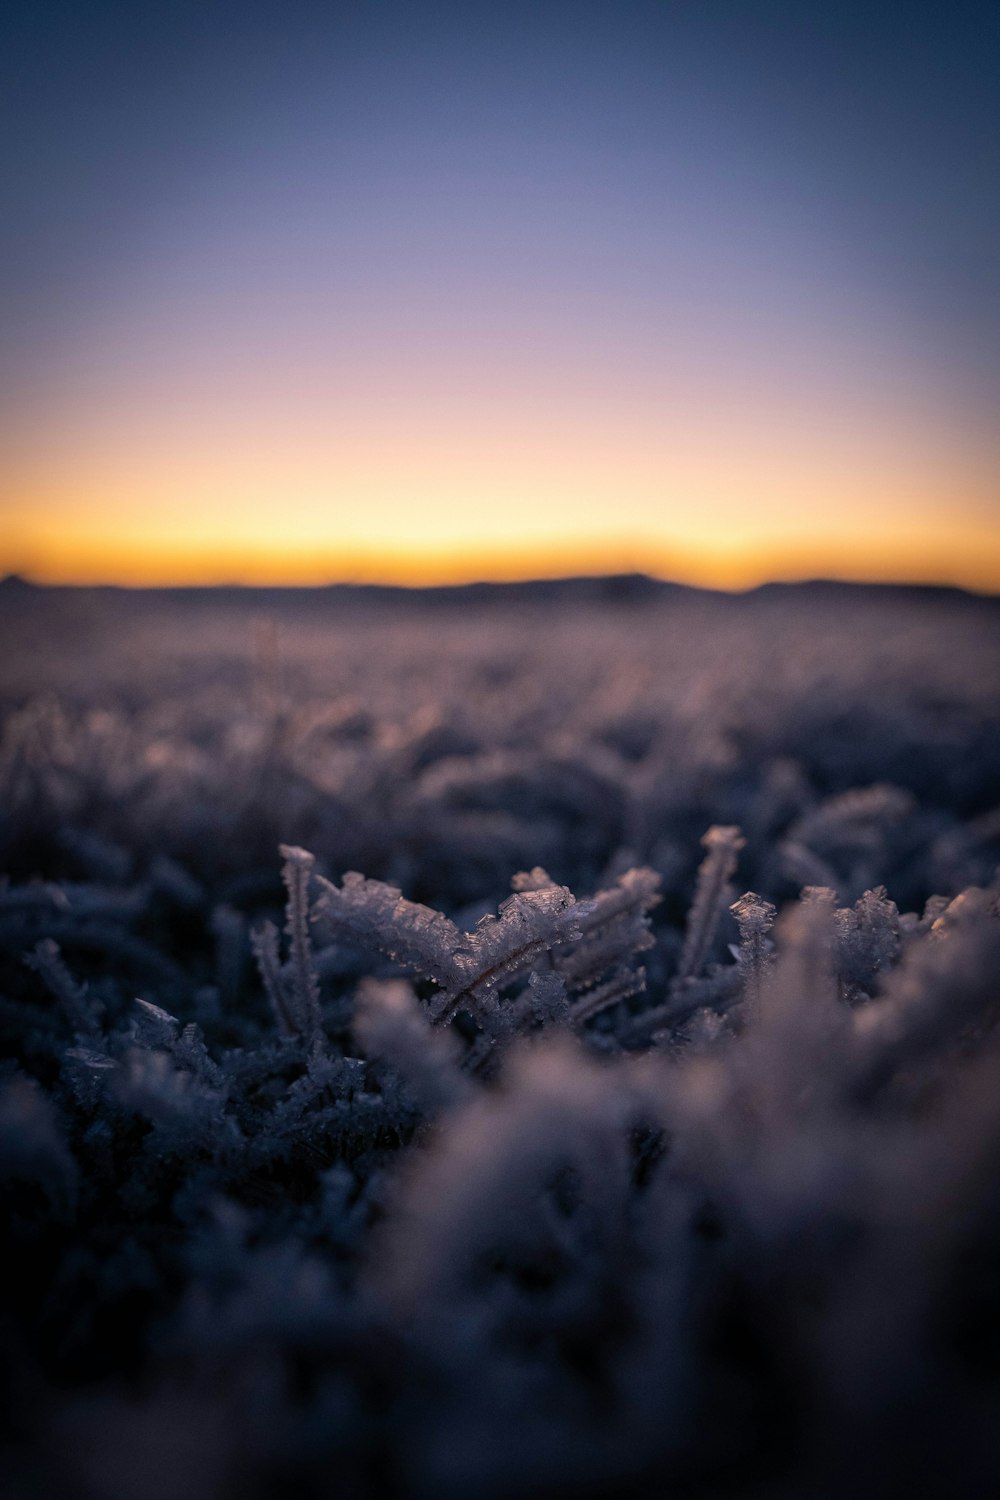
(444, 486)
(80, 552)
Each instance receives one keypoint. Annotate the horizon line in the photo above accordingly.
(621, 576)
(727, 563)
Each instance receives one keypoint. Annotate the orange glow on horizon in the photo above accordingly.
(454, 457)
(89, 560)
(209, 496)
(408, 477)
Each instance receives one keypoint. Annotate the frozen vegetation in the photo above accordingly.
(508, 1045)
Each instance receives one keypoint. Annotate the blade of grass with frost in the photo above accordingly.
(96, 937)
(296, 873)
(719, 992)
(264, 942)
(723, 844)
(47, 961)
(755, 917)
(615, 928)
(868, 939)
(528, 924)
(377, 916)
(468, 967)
(622, 985)
(943, 994)
(588, 940)
(157, 1030)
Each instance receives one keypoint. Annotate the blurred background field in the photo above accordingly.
(445, 739)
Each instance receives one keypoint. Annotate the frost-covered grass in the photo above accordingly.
(513, 1047)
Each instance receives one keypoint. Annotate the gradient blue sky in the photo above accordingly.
(305, 291)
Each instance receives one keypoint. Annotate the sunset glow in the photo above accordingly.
(492, 301)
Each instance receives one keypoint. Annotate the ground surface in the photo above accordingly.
(615, 1191)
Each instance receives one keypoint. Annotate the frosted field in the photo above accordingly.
(515, 1162)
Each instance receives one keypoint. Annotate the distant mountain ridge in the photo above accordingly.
(610, 588)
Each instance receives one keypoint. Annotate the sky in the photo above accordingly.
(299, 292)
